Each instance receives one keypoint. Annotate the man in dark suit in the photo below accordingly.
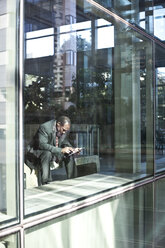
(51, 144)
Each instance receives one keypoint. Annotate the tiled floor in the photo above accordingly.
(64, 192)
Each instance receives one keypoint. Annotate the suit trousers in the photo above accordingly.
(44, 159)
(70, 167)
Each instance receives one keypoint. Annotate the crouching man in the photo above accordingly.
(50, 145)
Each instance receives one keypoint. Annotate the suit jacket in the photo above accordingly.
(45, 139)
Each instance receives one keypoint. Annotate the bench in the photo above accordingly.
(87, 165)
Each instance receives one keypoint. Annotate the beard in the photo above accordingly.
(58, 134)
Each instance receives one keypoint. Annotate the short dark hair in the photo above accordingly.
(63, 120)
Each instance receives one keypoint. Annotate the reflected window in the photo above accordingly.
(142, 19)
(104, 27)
(159, 22)
(40, 43)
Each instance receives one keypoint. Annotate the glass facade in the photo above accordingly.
(100, 63)
(105, 86)
(9, 180)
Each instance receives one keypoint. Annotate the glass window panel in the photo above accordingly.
(100, 75)
(160, 108)
(11, 241)
(8, 113)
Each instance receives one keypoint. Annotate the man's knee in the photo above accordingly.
(46, 154)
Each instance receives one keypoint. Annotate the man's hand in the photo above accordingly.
(77, 150)
(67, 150)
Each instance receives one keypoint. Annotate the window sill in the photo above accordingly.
(67, 195)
